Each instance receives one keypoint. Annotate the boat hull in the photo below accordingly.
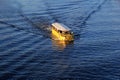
(58, 36)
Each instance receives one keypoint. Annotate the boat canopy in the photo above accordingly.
(60, 26)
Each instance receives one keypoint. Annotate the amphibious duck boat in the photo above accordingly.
(62, 32)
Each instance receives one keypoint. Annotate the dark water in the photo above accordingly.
(27, 51)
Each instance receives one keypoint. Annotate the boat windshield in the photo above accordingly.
(67, 32)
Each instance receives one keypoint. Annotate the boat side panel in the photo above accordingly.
(54, 32)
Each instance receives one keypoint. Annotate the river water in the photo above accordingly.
(27, 51)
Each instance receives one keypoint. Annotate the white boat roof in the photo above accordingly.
(60, 26)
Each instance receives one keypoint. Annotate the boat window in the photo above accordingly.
(60, 31)
(67, 32)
